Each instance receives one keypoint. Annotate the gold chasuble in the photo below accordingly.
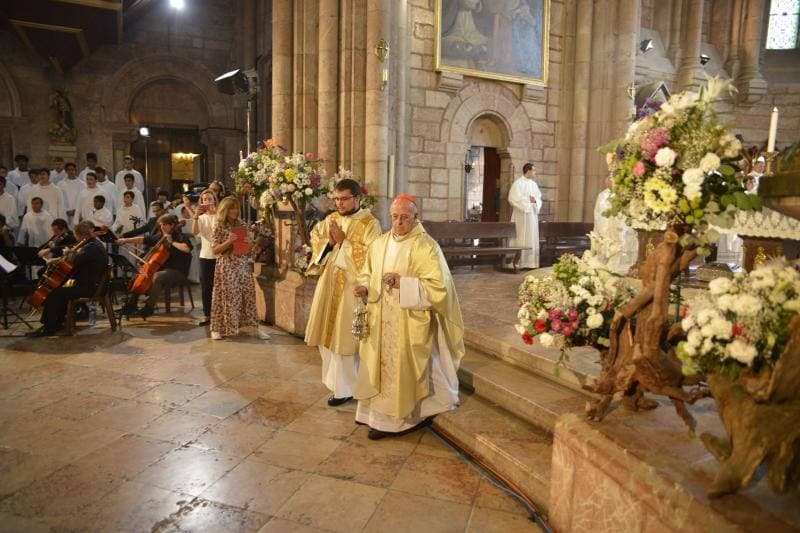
(415, 341)
(331, 319)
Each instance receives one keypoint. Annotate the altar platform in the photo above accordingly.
(634, 471)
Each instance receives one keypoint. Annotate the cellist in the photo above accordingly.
(89, 266)
(172, 273)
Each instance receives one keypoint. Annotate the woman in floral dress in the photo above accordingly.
(233, 303)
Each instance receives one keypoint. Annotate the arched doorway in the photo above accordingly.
(487, 169)
(173, 155)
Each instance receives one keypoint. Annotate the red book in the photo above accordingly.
(240, 245)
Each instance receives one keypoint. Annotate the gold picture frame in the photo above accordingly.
(487, 39)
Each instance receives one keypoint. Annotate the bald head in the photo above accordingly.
(404, 216)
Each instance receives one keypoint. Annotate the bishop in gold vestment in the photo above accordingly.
(415, 337)
(339, 249)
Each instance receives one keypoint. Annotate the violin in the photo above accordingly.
(151, 263)
(56, 274)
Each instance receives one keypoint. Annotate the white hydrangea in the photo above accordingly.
(742, 351)
(665, 157)
(545, 339)
(693, 176)
(719, 286)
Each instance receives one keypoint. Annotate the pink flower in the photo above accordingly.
(310, 156)
(573, 314)
(638, 169)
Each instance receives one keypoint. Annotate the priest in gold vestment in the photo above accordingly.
(339, 248)
(415, 337)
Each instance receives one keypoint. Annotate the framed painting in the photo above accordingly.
(499, 39)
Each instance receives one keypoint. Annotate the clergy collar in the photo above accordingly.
(416, 230)
(353, 212)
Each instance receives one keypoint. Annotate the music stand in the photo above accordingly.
(5, 286)
(27, 258)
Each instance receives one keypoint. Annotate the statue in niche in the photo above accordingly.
(62, 129)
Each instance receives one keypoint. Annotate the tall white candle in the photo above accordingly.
(773, 130)
(241, 155)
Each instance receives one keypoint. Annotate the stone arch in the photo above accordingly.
(131, 78)
(10, 103)
(503, 107)
(169, 101)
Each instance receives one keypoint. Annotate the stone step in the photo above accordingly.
(529, 396)
(510, 446)
(582, 367)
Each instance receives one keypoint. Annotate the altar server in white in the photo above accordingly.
(526, 199)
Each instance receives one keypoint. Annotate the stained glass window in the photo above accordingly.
(784, 18)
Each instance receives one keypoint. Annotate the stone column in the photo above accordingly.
(690, 71)
(305, 75)
(732, 61)
(376, 124)
(580, 107)
(328, 87)
(750, 83)
(674, 50)
(282, 99)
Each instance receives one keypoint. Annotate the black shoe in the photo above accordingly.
(204, 322)
(146, 311)
(41, 332)
(376, 434)
(333, 401)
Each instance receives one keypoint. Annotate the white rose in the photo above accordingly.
(694, 338)
(545, 339)
(748, 305)
(710, 162)
(692, 192)
(742, 351)
(308, 191)
(594, 321)
(693, 176)
(519, 329)
(719, 286)
(665, 157)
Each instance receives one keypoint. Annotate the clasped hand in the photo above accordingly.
(335, 234)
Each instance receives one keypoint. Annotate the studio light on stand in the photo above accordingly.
(242, 85)
(704, 58)
(646, 45)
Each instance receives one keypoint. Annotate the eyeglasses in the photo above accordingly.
(343, 198)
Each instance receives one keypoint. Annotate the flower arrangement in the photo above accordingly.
(676, 166)
(302, 258)
(272, 175)
(573, 306)
(262, 241)
(368, 201)
(741, 322)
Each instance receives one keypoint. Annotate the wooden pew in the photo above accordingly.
(471, 243)
(557, 238)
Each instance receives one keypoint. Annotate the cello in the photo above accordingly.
(151, 263)
(56, 274)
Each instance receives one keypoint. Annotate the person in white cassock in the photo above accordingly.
(119, 179)
(415, 337)
(339, 245)
(526, 199)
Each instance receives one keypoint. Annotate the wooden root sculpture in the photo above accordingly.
(762, 416)
(635, 362)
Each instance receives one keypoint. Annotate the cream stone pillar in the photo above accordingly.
(750, 83)
(690, 71)
(328, 86)
(376, 134)
(732, 60)
(305, 71)
(580, 107)
(282, 100)
(674, 50)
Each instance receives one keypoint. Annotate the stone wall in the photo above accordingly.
(162, 74)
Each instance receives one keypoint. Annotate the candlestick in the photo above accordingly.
(770, 158)
(241, 155)
(773, 130)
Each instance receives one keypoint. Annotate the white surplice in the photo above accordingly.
(526, 218)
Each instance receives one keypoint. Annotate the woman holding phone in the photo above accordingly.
(233, 303)
(203, 222)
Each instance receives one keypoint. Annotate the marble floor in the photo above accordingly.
(157, 428)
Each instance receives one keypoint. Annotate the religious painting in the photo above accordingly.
(498, 39)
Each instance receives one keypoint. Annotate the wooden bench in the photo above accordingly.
(557, 238)
(470, 243)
